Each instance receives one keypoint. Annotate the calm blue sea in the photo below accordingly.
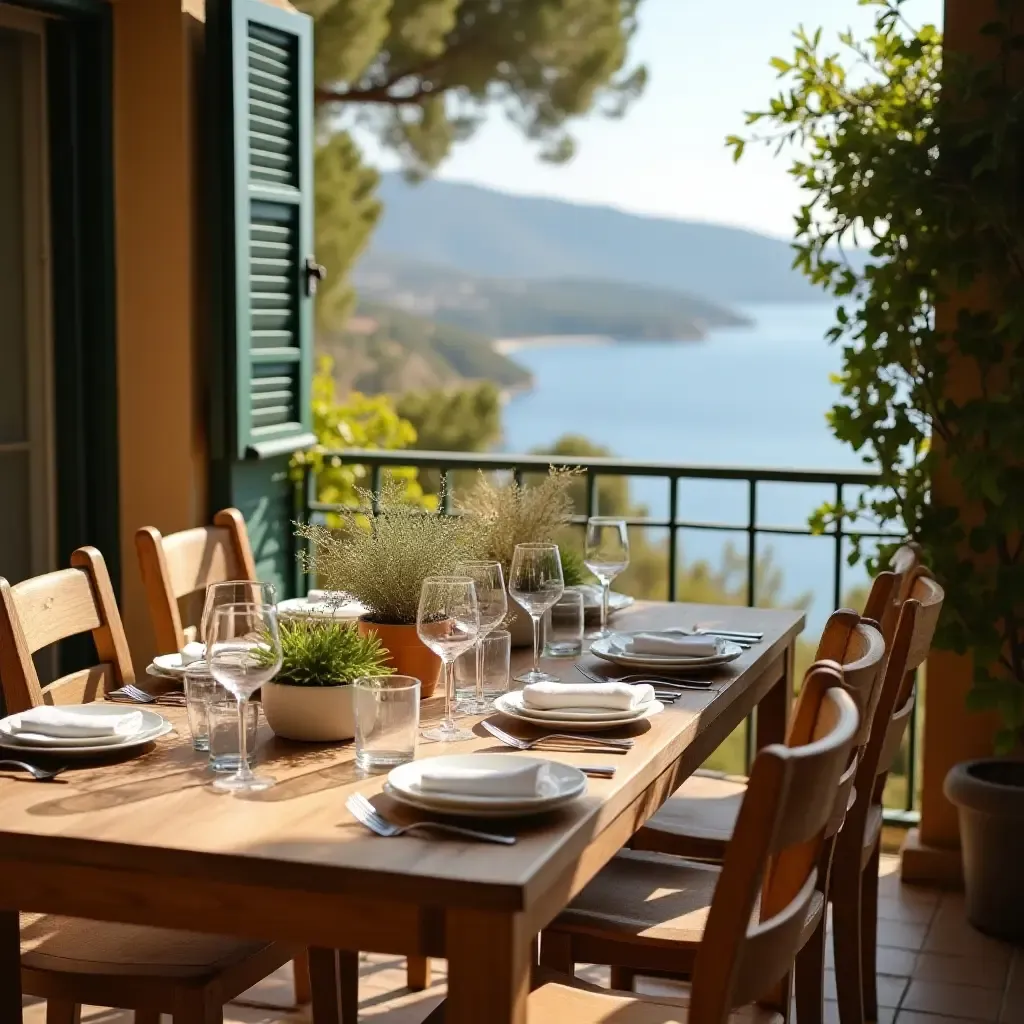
(754, 396)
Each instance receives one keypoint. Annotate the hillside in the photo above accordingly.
(517, 307)
(391, 350)
(495, 234)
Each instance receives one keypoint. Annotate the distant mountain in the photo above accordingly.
(503, 307)
(495, 234)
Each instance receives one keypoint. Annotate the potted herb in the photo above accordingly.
(381, 561)
(310, 698)
(510, 514)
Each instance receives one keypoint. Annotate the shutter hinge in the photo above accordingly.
(314, 273)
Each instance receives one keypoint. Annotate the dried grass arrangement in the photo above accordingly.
(510, 514)
(382, 561)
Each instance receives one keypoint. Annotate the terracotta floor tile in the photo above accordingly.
(892, 908)
(967, 1002)
(885, 1014)
(896, 962)
(957, 937)
(915, 1017)
(901, 934)
(890, 990)
(662, 987)
(983, 972)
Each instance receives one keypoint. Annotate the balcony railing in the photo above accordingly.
(840, 484)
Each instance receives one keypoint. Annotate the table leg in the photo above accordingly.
(10, 967)
(773, 711)
(488, 968)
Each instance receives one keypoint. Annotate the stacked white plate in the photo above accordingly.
(615, 649)
(592, 600)
(170, 666)
(150, 726)
(575, 719)
(560, 784)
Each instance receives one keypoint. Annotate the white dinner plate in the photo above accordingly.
(507, 707)
(169, 665)
(564, 783)
(607, 650)
(592, 600)
(153, 727)
(516, 699)
(303, 608)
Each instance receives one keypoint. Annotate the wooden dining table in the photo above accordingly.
(147, 841)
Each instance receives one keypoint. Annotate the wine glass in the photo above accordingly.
(536, 583)
(493, 604)
(448, 621)
(243, 652)
(233, 592)
(605, 554)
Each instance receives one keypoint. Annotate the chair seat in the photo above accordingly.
(560, 1003)
(653, 899)
(698, 819)
(74, 945)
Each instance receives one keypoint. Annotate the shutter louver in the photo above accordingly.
(272, 205)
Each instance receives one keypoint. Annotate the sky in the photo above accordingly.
(707, 62)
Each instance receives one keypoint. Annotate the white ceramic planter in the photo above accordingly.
(312, 714)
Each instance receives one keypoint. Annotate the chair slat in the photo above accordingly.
(57, 605)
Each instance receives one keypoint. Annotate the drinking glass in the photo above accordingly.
(243, 652)
(448, 621)
(492, 601)
(233, 592)
(222, 723)
(563, 626)
(536, 583)
(496, 651)
(605, 554)
(387, 712)
(200, 689)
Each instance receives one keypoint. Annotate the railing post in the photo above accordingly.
(837, 596)
(752, 542)
(376, 475)
(673, 538)
(592, 499)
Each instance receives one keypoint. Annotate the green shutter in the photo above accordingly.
(263, 100)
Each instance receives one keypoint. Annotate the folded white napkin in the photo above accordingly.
(609, 696)
(483, 781)
(671, 643)
(316, 596)
(194, 651)
(61, 724)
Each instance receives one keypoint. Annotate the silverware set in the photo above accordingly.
(131, 694)
(366, 814)
(587, 742)
(37, 773)
(669, 686)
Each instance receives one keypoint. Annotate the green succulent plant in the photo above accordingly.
(327, 652)
(574, 572)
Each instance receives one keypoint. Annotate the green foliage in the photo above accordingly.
(422, 73)
(932, 330)
(362, 421)
(574, 572)
(382, 562)
(346, 214)
(467, 419)
(325, 652)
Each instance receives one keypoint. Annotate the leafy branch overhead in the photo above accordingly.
(915, 155)
(423, 72)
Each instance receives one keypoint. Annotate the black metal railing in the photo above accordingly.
(841, 482)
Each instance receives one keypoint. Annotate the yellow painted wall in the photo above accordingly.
(160, 341)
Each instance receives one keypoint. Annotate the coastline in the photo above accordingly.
(503, 346)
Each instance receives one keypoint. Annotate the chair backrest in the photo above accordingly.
(40, 611)
(775, 851)
(185, 563)
(884, 608)
(911, 643)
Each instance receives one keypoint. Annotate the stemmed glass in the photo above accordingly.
(448, 621)
(605, 554)
(492, 601)
(243, 652)
(233, 592)
(536, 583)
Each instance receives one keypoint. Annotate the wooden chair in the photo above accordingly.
(854, 886)
(767, 885)
(646, 912)
(70, 961)
(186, 563)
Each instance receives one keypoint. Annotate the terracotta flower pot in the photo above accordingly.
(312, 714)
(408, 655)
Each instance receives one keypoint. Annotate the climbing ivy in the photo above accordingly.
(912, 168)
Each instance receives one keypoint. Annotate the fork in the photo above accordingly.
(366, 814)
(132, 693)
(612, 746)
(678, 684)
(39, 774)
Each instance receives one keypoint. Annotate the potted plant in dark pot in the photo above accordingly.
(910, 163)
(381, 561)
(310, 698)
